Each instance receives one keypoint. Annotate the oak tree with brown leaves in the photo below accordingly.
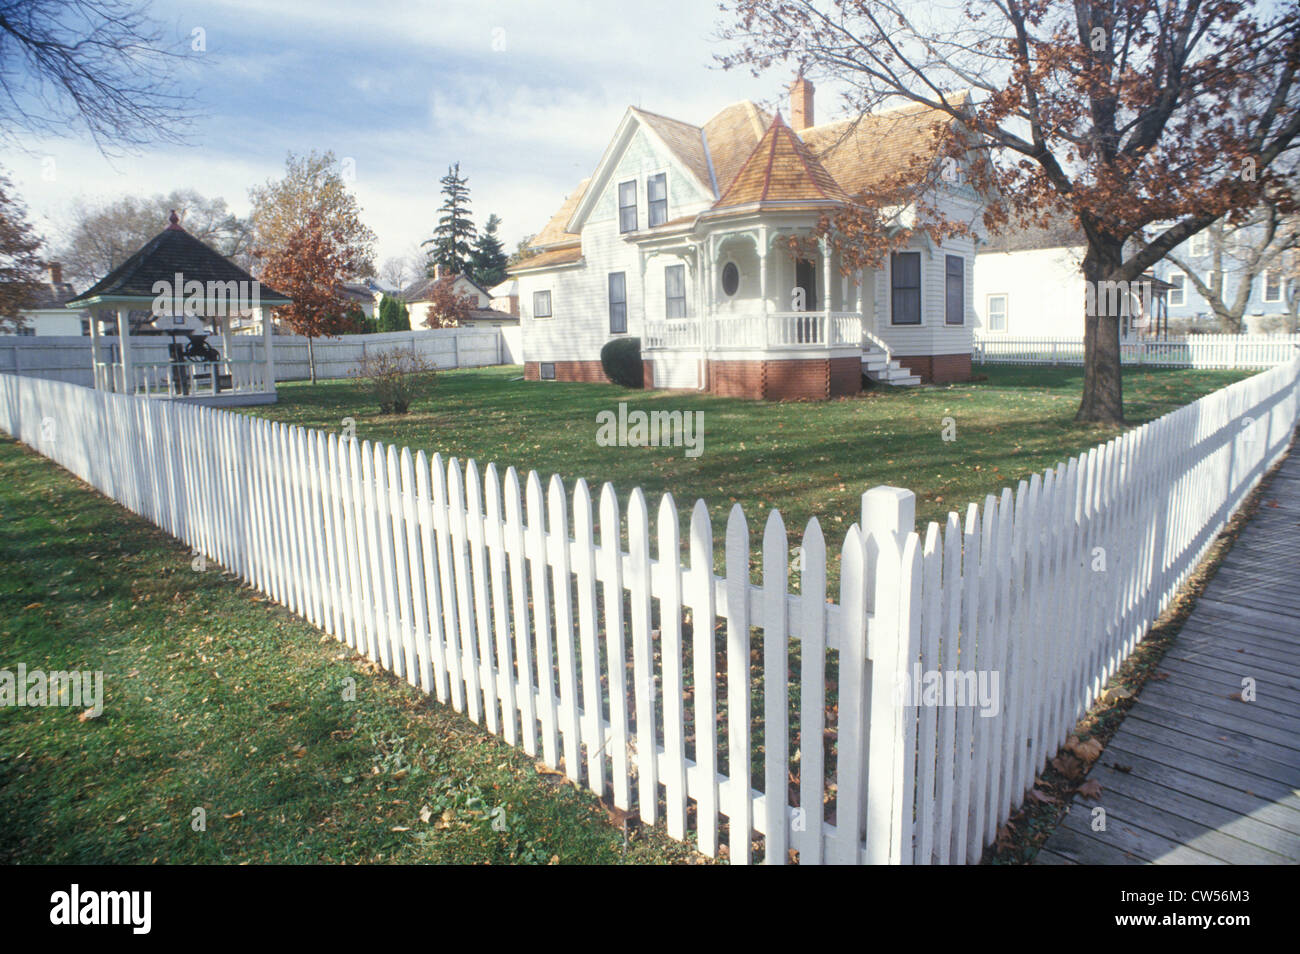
(310, 268)
(447, 309)
(1145, 120)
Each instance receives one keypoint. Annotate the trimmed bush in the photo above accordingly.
(621, 359)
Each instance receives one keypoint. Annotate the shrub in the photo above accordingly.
(395, 376)
(621, 359)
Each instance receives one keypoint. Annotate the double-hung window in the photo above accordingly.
(541, 304)
(627, 206)
(656, 189)
(954, 290)
(617, 303)
(905, 288)
(675, 291)
(997, 312)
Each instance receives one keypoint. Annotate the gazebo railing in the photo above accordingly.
(174, 379)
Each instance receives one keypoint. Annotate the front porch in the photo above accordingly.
(776, 316)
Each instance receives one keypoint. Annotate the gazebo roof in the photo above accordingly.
(171, 252)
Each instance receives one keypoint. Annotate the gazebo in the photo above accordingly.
(163, 305)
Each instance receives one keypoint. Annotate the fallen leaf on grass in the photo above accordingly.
(1040, 796)
(88, 715)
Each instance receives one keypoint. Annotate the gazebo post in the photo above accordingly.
(124, 347)
(268, 349)
(225, 350)
(94, 349)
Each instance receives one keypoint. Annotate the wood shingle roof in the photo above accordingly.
(781, 169)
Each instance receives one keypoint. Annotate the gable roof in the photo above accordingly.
(554, 232)
(45, 296)
(748, 156)
(731, 136)
(419, 290)
(172, 251)
(781, 169)
(863, 153)
(684, 140)
(1058, 230)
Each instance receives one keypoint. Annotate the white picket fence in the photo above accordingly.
(1206, 352)
(67, 358)
(600, 646)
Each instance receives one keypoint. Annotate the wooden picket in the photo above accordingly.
(614, 665)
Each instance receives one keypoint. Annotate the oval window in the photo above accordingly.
(730, 278)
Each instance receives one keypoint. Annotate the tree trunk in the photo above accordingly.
(1103, 390)
(311, 358)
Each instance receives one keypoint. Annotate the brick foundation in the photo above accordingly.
(813, 379)
(937, 368)
(648, 374)
(590, 372)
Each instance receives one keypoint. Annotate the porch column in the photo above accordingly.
(826, 284)
(762, 269)
(268, 349)
(124, 347)
(94, 349)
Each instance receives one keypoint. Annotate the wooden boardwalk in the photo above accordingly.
(1194, 776)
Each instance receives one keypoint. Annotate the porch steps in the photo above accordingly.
(878, 366)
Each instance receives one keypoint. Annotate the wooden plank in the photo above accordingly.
(776, 677)
(609, 567)
(565, 641)
(812, 691)
(670, 624)
(584, 565)
(638, 536)
(739, 807)
(543, 655)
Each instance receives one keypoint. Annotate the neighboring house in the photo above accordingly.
(1029, 282)
(418, 300)
(45, 312)
(505, 297)
(1267, 299)
(364, 295)
(682, 237)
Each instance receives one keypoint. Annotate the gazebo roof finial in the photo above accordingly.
(175, 221)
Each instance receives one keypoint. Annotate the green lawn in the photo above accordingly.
(807, 459)
(217, 699)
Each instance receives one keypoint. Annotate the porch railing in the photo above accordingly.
(782, 329)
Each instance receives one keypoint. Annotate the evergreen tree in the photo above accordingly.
(450, 245)
(393, 315)
(488, 259)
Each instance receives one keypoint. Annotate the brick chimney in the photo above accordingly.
(801, 105)
(55, 270)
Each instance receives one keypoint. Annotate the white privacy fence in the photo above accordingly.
(67, 358)
(598, 636)
(1208, 352)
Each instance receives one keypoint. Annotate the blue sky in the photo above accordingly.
(524, 95)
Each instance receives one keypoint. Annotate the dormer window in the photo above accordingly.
(627, 206)
(656, 188)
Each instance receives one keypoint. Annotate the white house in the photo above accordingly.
(1029, 281)
(44, 313)
(682, 237)
(418, 301)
